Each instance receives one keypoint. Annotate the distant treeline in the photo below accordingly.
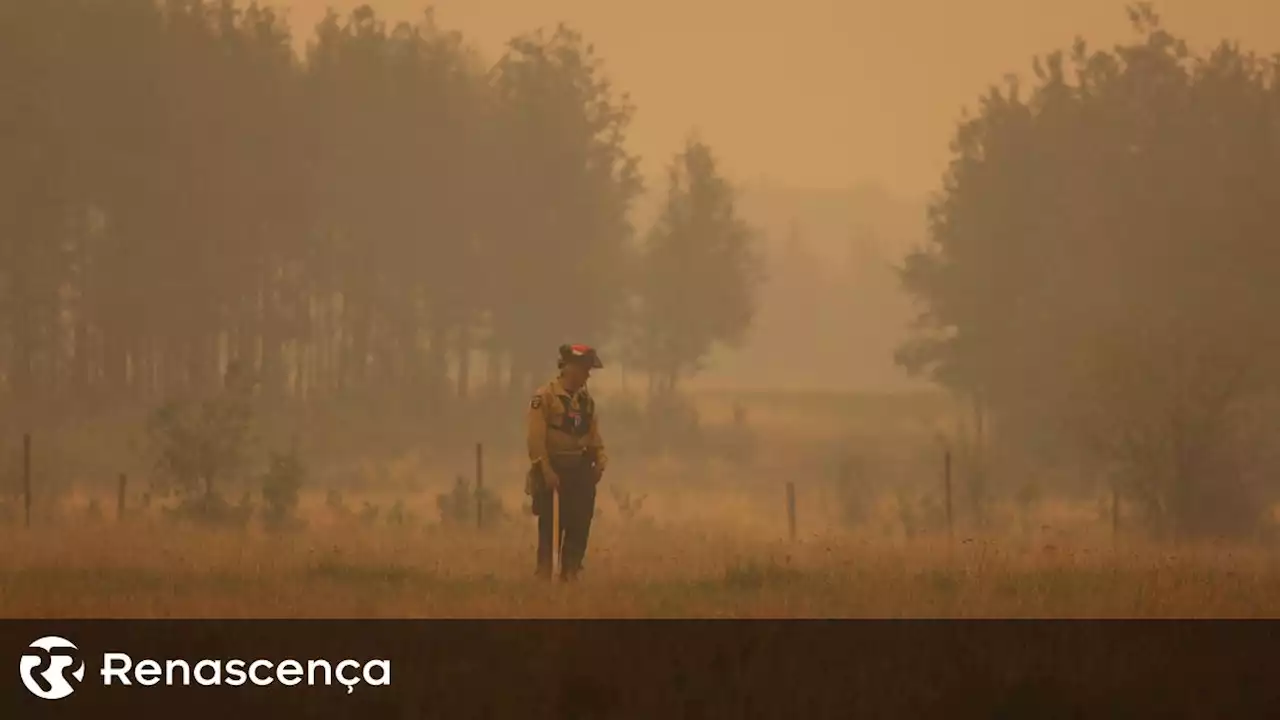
(178, 190)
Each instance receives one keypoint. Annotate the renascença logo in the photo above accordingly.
(44, 669)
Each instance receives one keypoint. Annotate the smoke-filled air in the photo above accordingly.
(898, 311)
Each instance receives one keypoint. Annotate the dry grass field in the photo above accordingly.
(709, 540)
(673, 573)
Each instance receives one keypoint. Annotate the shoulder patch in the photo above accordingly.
(536, 402)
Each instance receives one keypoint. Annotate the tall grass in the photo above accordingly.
(634, 569)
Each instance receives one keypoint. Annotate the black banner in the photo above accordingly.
(638, 669)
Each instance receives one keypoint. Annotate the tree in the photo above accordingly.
(1096, 267)
(699, 273)
(568, 184)
(180, 190)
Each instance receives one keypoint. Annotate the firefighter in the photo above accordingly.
(566, 454)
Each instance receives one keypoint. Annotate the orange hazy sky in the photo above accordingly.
(824, 93)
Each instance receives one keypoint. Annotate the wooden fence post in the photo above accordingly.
(479, 485)
(946, 481)
(120, 492)
(1115, 515)
(26, 476)
(791, 509)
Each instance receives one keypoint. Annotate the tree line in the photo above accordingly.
(181, 192)
(389, 215)
(1101, 274)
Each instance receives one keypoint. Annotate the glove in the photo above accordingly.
(540, 477)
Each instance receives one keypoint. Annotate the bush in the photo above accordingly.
(281, 485)
(920, 514)
(400, 515)
(212, 510)
(200, 445)
(854, 493)
(459, 506)
(628, 507)
(335, 504)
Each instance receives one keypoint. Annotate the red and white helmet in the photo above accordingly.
(580, 353)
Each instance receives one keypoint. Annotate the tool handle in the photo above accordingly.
(555, 531)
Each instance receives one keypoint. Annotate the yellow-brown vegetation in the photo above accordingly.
(707, 540)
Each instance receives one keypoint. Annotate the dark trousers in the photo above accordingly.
(577, 508)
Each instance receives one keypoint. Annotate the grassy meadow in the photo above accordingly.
(702, 534)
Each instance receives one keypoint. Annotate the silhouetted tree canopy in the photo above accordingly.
(1102, 267)
(179, 190)
(698, 272)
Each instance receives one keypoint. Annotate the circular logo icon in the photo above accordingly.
(45, 664)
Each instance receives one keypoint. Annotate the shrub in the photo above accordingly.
(458, 507)
(200, 445)
(281, 485)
